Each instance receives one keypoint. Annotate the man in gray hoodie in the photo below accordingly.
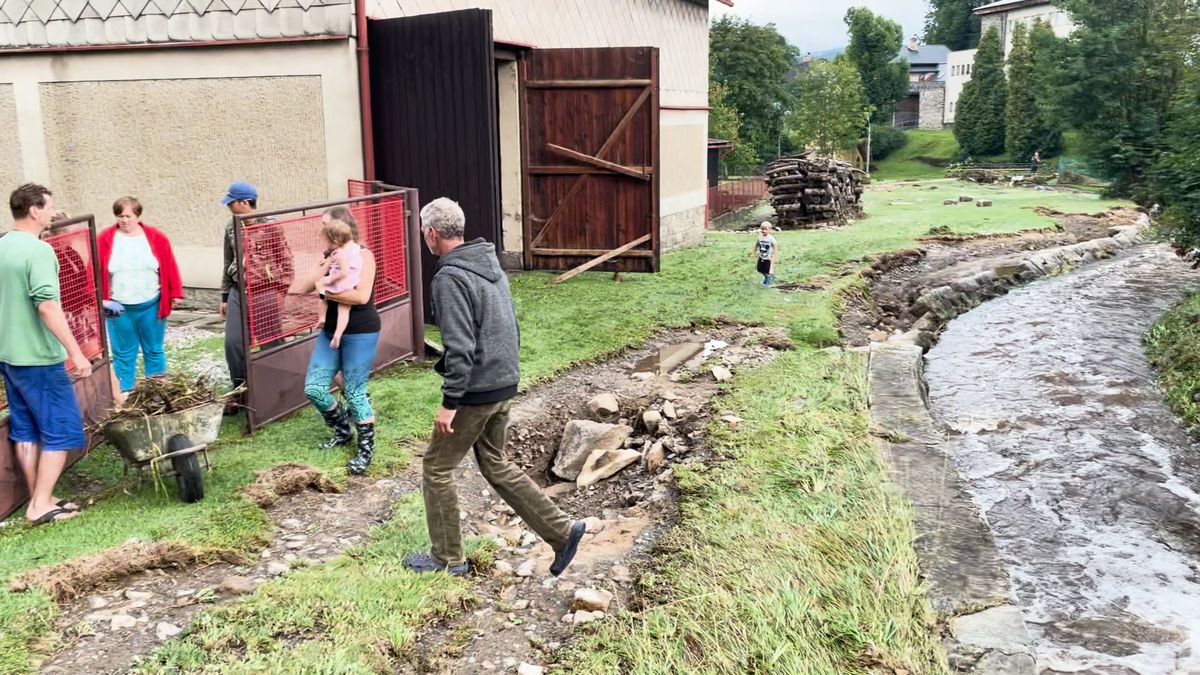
(481, 371)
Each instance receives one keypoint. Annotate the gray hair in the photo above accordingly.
(446, 217)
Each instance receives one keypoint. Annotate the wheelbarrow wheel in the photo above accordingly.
(189, 477)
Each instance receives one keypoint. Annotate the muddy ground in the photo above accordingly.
(521, 614)
(895, 280)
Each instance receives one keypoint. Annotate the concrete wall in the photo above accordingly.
(959, 66)
(512, 206)
(174, 128)
(11, 172)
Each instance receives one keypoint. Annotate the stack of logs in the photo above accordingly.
(808, 192)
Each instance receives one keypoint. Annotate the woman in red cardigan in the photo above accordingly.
(141, 284)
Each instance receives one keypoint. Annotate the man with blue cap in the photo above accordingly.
(269, 272)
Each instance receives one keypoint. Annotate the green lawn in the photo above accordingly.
(925, 155)
(806, 555)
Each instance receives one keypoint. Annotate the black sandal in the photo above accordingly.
(51, 516)
(65, 506)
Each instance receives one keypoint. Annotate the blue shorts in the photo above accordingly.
(42, 407)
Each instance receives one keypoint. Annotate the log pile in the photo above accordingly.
(808, 192)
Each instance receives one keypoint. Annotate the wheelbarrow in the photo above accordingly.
(180, 438)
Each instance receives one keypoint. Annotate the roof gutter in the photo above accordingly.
(23, 51)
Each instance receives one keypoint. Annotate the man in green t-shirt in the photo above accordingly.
(34, 344)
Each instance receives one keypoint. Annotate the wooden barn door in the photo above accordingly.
(590, 157)
(436, 124)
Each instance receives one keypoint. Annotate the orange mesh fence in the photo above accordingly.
(277, 254)
(77, 285)
(359, 188)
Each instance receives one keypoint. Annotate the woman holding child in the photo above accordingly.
(348, 338)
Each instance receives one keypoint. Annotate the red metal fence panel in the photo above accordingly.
(278, 253)
(731, 195)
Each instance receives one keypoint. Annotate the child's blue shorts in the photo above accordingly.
(42, 407)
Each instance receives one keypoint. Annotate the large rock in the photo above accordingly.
(592, 600)
(651, 419)
(580, 440)
(604, 406)
(655, 457)
(603, 464)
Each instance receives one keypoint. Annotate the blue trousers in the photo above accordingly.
(354, 359)
(139, 328)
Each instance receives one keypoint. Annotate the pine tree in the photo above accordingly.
(1048, 54)
(1022, 119)
(979, 122)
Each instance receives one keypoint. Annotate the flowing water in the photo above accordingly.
(1084, 475)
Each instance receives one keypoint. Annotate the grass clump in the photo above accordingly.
(1173, 347)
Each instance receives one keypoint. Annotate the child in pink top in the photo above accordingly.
(345, 270)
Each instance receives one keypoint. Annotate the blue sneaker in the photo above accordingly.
(424, 562)
(564, 555)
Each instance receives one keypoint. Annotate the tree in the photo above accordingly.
(751, 63)
(831, 107)
(1123, 67)
(1021, 112)
(1177, 171)
(875, 42)
(953, 23)
(979, 122)
(1049, 51)
(725, 122)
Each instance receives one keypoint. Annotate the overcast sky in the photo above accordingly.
(816, 25)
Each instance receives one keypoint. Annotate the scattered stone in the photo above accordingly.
(651, 419)
(530, 669)
(594, 524)
(521, 605)
(503, 568)
(138, 595)
(295, 544)
(510, 662)
(950, 202)
(582, 438)
(292, 523)
(559, 490)
(984, 203)
(526, 568)
(669, 395)
(122, 622)
(568, 618)
(237, 585)
(965, 198)
(668, 410)
(592, 600)
(97, 602)
(276, 568)
(721, 374)
(166, 631)
(731, 420)
(642, 377)
(654, 458)
(620, 573)
(603, 464)
(184, 593)
(586, 617)
(529, 539)
(604, 406)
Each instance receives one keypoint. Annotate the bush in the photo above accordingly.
(885, 141)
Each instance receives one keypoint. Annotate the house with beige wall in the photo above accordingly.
(172, 100)
(1005, 15)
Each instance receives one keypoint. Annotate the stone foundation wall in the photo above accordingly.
(932, 113)
(682, 230)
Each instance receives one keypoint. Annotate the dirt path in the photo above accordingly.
(519, 613)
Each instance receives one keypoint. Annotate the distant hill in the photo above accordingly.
(829, 53)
